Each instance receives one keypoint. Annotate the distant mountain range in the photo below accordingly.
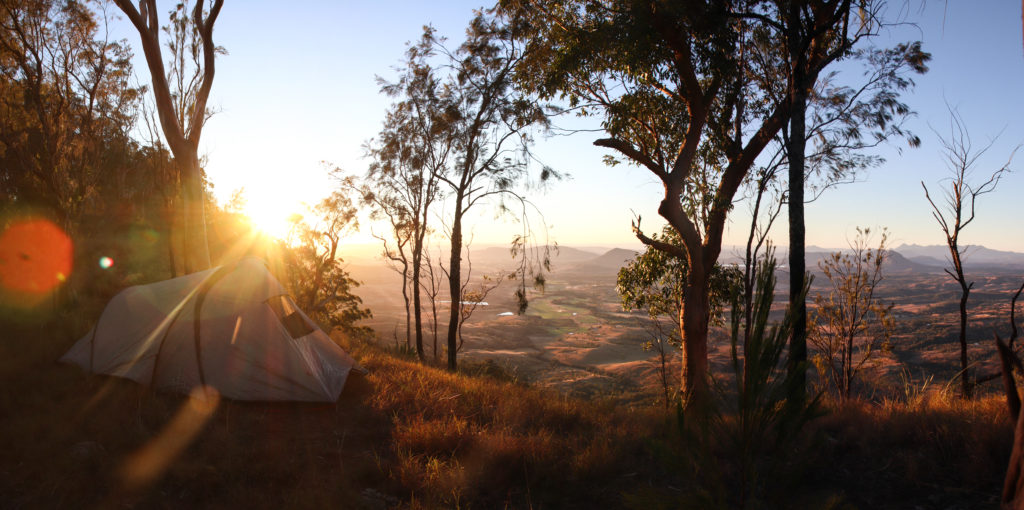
(912, 258)
(938, 255)
(895, 263)
(906, 258)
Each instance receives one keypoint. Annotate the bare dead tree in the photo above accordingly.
(1013, 318)
(958, 212)
(182, 130)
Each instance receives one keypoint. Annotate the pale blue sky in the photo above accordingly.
(298, 88)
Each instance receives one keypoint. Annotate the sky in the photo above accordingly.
(297, 92)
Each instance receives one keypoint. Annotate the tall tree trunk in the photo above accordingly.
(182, 141)
(197, 252)
(795, 148)
(455, 283)
(693, 317)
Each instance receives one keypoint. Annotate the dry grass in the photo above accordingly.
(406, 435)
(936, 452)
(462, 439)
(413, 436)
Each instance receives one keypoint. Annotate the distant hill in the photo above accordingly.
(975, 256)
(896, 263)
(566, 255)
(928, 261)
(613, 259)
(500, 257)
(607, 263)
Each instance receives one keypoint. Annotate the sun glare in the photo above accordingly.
(269, 217)
(35, 258)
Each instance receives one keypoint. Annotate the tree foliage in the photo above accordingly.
(491, 121)
(181, 104)
(66, 108)
(689, 91)
(317, 279)
(663, 79)
(653, 282)
(414, 148)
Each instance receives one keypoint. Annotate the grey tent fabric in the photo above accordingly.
(231, 328)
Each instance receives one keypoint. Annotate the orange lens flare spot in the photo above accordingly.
(35, 257)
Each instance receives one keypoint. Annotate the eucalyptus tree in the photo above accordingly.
(491, 122)
(664, 77)
(689, 91)
(396, 249)
(182, 111)
(410, 155)
(654, 281)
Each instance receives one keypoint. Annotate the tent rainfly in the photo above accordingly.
(232, 328)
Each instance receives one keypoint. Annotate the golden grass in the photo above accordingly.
(940, 449)
(413, 436)
(491, 442)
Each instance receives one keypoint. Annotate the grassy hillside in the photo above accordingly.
(412, 436)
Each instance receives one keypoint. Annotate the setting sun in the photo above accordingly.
(270, 217)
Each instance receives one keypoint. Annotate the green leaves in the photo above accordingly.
(655, 280)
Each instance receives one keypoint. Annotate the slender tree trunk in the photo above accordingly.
(796, 146)
(433, 324)
(664, 368)
(197, 252)
(848, 368)
(455, 283)
(966, 381)
(693, 317)
(408, 312)
(417, 257)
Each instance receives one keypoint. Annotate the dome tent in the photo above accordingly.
(232, 328)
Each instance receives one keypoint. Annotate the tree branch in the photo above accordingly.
(632, 153)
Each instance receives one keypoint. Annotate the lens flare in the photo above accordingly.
(106, 262)
(35, 257)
